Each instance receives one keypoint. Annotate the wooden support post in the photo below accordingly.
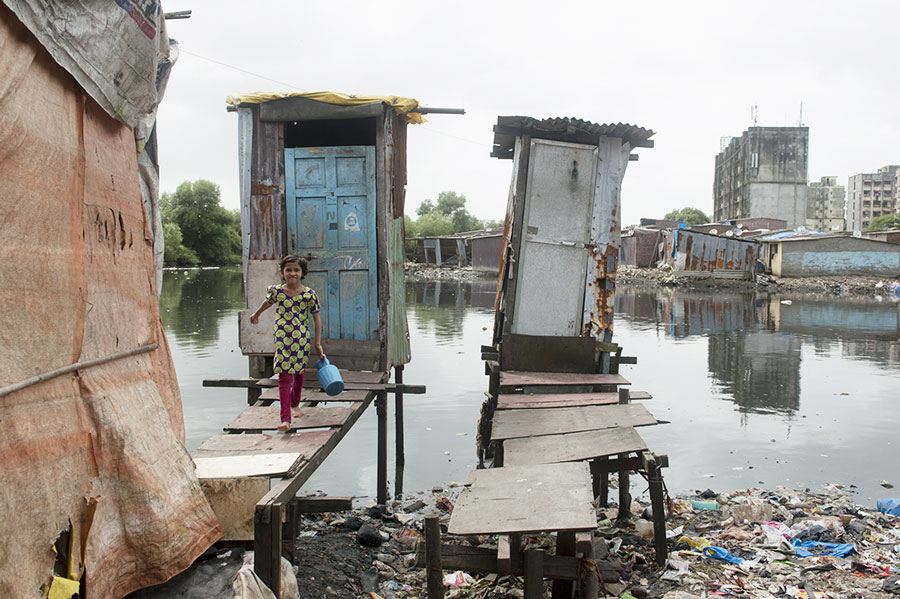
(381, 413)
(624, 477)
(584, 548)
(433, 574)
(654, 478)
(290, 530)
(600, 480)
(565, 545)
(399, 449)
(267, 546)
(534, 574)
(257, 371)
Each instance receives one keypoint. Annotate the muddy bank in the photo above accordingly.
(752, 543)
(835, 286)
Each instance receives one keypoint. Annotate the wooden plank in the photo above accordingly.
(240, 466)
(317, 505)
(571, 447)
(317, 395)
(516, 378)
(521, 401)
(306, 443)
(548, 353)
(544, 497)
(285, 490)
(261, 418)
(349, 376)
(509, 424)
(243, 382)
(483, 560)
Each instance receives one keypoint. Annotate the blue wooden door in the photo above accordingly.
(330, 193)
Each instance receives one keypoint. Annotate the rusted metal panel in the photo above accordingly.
(692, 253)
(265, 206)
(606, 237)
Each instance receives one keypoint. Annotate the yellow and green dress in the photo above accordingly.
(294, 328)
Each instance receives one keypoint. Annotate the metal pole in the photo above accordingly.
(399, 449)
(381, 413)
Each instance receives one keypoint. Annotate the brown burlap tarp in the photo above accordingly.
(101, 448)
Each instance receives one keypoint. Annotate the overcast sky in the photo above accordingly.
(690, 71)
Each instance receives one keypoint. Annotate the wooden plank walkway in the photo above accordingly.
(306, 443)
(537, 498)
(571, 447)
(519, 401)
(516, 378)
(509, 424)
(316, 395)
(257, 418)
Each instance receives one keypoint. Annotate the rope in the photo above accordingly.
(46, 376)
(587, 565)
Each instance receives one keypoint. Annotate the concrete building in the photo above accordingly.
(831, 255)
(763, 173)
(870, 195)
(825, 205)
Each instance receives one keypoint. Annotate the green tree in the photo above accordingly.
(689, 216)
(445, 216)
(425, 207)
(884, 222)
(175, 253)
(207, 228)
(433, 224)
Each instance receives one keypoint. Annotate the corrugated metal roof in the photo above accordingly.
(563, 129)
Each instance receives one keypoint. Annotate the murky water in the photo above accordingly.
(796, 390)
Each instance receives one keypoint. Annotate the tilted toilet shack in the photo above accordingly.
(561, 240)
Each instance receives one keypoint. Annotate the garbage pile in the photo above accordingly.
(754, 543)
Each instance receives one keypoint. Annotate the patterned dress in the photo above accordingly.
(294, 328)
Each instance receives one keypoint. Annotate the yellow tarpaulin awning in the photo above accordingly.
(403, 106)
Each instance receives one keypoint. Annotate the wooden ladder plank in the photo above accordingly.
(509, 424)
(515, 378)
(521, 401)
(572, 447)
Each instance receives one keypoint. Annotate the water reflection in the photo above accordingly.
(755, 341)
(440, 307)
(193, 302)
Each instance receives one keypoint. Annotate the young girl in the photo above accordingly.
(294, 305)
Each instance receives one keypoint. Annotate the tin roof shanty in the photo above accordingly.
(562, 233)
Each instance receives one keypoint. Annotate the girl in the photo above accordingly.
(294, 304)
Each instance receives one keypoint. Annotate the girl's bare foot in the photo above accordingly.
(284, 427)
(295, 412)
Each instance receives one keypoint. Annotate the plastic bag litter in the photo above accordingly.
(721, 553)
(836, 549)
(775, 533)
(889, 506)
(458, 579)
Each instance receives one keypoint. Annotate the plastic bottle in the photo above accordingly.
(704, 505)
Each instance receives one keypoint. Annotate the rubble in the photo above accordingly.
(754, 543)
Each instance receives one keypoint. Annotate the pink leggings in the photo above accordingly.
(289, 387)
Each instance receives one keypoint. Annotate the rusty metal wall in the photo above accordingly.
(698, 254)
(267, 192)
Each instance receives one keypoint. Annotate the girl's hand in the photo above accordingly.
(254, 318)
(320, 351)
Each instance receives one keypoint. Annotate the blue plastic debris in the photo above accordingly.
(721, 553)
(836, 549)
(889, 506)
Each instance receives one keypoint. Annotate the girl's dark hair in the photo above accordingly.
(304, 264)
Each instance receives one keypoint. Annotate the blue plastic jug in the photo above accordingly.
(329, 377)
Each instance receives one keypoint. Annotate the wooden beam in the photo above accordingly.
(534, 574)
(433, 562)
(317, 505)
(267, 546)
